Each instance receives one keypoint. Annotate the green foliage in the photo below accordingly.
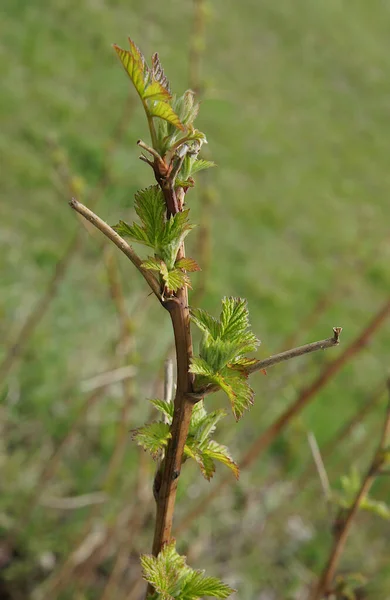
(221, 361)
(152, 437)
(350, 486)
(168, 136)
(172, 578)
(163, 235)
(199, 446)
(151, 84)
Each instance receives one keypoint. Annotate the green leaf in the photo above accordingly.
(150, 84)
(200, 367)
(177, 227)
(203, 427)
(133, 62)
(198, 414)
(175, 279)
(218, 352)
(198, 586)
(135, 232)
(186, 107)
(222, 454)
(234, 321)
(163, 110)
(153, 264)
(205, 322)
(150, 207)
(239, 391)
(172, 578)
(205, 462)
(152, 437)
(201, 165)
(164, 571)
(165, 407)
(189, 264)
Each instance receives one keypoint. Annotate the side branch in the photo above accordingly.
(288, 354)
(277, 358)
(119, 242)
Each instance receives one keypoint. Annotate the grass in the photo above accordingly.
(295, 108)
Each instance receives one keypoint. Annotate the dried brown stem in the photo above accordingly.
(281, 357)
(112, 235)
(295, 352)
(171, 467)
(345, 521)
(267, 437)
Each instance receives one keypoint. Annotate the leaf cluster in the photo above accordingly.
(170, 118)
(199, 446)
(151, 84)
(172, 578)
(164, 235)
(221, 361)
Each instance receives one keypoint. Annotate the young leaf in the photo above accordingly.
(165, 407)
(205, 462)
(201, 165)
(206, 323)
(152, 437)
(222, 454)
(176, 229)
(239, 391)
(158, 73)
(173, 579)
(234, 321)
(151, 84)
(203, 427)
(175, 279)
(135, 232)
(189, 264)
(163, 572)
(163, 110)
(198, 586)
(152, 263)
(150, 207)
(133, 62)
(200, 367)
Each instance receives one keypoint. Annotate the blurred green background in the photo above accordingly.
(295, 106)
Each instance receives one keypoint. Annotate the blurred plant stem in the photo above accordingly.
(345, 518)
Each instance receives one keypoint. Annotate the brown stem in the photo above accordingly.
(267, 437)
(288, 354)
(166, 492)
(344, 523)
